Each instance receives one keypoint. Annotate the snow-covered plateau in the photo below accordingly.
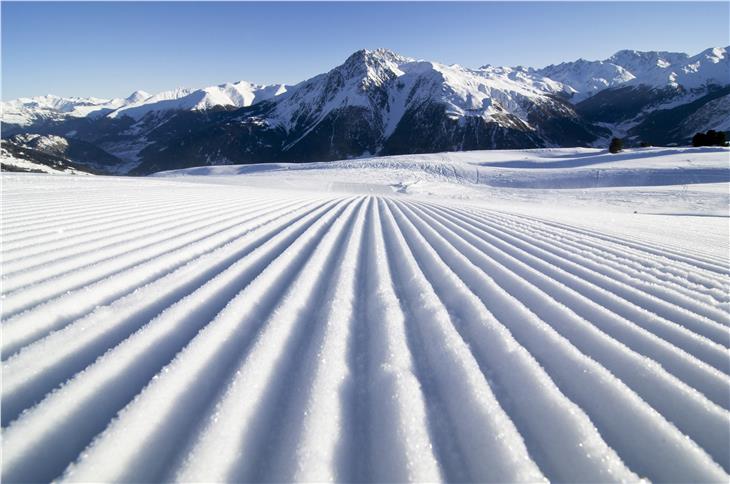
(486, 316)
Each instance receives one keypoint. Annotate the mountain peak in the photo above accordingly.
(635, 58)
(365, 57)
(715, 54)
(137, 96)
(368, 67)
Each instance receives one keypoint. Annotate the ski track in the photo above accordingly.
(242, 334)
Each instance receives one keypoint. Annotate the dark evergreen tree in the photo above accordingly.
(699, 139)
(616, 145)
(717, 138)
(711, 138)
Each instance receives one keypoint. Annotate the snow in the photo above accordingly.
(24, 111)
(659, 69)
(443, 317)
(53, 143)
(50, 143)
(488, 92)
(585, 78)
(10, 163)
(515, 176)
(239, 94)
(654, 69)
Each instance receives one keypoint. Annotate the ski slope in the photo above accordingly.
(181, 329)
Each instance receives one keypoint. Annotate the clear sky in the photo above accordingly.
(111, 49)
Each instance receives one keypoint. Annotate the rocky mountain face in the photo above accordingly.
(59, 153)
(378, 102)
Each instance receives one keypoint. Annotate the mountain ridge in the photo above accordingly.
(380, 102)
(620, 60)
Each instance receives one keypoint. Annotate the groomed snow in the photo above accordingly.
(587, 183)
(369, 320)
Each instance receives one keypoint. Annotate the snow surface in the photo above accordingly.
(385, 319)
(509, 176)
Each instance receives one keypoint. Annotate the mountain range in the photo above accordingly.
(380, 103)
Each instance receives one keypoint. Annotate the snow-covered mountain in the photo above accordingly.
(380, 102)
(584, 78)
(27, 111)
(633, 68)
(239, 94)
(59, 154)
(390, 85)
(660, 69)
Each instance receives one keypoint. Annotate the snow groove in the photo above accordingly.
(697, 260)
(680, 288)
(222, 333)
(595, 283)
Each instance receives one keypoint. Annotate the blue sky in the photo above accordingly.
(111, 49)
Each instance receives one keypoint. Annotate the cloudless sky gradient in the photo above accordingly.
(111, 49)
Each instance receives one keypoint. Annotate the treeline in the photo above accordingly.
(711, 138)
